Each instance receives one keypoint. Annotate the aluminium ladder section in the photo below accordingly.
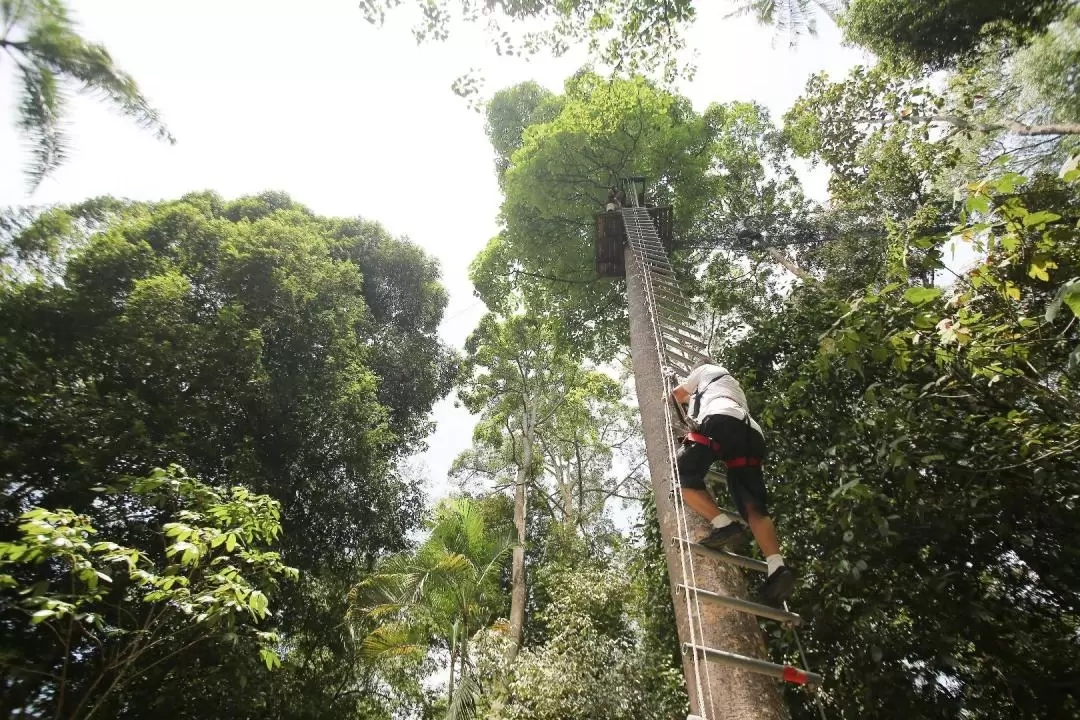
(683, 348)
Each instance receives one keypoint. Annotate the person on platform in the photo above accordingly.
(612, 200)
(723, 429)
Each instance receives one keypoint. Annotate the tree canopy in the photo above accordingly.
(253, 342)
(209, 407)
(938, 33)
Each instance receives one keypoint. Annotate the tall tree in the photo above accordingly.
(517, 374)
(240, 339)
(925, 445)
(43, 42)
(716, 168)
(939, 33)
(627, 35)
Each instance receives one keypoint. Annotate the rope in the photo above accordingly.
(693, 608)
(689, 573)
(806, 667)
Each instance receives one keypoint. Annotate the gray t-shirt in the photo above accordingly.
(722, 397)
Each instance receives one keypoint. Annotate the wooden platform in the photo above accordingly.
(611, 239)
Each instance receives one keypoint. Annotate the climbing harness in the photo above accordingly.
(700, 393)
(696, 437)
(680, 347)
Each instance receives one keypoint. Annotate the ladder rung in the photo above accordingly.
(674, 316)
(654, 271)
(664, 292)
(746, 606)
(671, 305)
(651, 243)
(689, 362)
(668, 302)
(645, 245)
(685, 335)
(662, 272)
(668, 287)
(681, 367)
(688, 351)
(787, 673)
(724, 556)
(669, 283)
(676, 330)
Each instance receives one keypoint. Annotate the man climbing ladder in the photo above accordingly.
(722, 428)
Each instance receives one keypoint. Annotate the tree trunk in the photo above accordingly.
(517, 573)
(790, 265)
(450, 692)
(727, 693)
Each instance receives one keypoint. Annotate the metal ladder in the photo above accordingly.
(682, 349)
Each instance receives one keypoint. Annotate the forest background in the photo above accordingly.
(213, 407)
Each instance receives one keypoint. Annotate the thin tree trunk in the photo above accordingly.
(450, 692)
(517, 573)
(567, 484)
(790, 265)
(725, 693)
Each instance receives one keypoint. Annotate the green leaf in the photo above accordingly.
(1040, 267)
(270, 658)
(978, 203)
(41, 616)
(920, 295)
(1040, 218)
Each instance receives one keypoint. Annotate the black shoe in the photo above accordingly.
(778, 586)
(721, 538)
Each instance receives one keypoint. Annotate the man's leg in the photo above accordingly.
(763, 529)
(693, 462)
(701, 502)
(780, 580)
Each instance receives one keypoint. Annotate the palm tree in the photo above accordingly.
(438, 596)
(50, 56)
(790, 17)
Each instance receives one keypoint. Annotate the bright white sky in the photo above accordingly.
(349, 119)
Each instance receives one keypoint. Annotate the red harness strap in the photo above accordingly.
(735, 462)
(704, 440)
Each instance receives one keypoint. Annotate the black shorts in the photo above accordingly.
(737, 439)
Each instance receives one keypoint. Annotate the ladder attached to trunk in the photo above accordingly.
(682, 348)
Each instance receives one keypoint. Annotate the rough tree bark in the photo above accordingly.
(729, 694)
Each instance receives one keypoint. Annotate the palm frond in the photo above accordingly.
(41, 106)
(792, 18)
(463, 704)
(42, 40)
(391, 641)
(54, 43)
(502, 549)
